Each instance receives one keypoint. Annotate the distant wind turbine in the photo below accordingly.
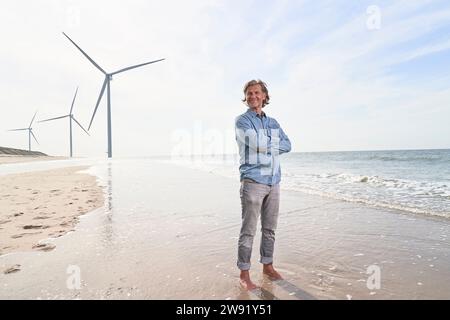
(30, 132)
(71, 117)
(106, 83)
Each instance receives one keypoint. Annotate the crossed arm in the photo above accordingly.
(275, 142)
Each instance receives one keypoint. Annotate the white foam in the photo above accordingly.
(419, 197)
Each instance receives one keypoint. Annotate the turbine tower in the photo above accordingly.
(106, 84)
(71, 117)
(30, 132)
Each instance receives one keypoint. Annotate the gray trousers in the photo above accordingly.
(257, 199)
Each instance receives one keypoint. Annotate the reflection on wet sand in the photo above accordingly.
(295, 291)
(109, 225)
(275, 290)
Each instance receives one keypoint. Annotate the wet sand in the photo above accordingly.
(168, 232)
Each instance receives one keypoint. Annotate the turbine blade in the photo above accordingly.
(73, 101)
(32, 119)
(18, 129)
(34, 136)
(53, 118)
(85, 54)
(136, 66)
(98, 101)
(80, 125)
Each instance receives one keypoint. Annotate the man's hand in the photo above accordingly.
(261, 150)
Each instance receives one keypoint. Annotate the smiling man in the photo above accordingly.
(260, 140)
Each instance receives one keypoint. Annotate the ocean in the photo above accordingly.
(416, 181)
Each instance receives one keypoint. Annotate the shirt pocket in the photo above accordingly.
(273, 129)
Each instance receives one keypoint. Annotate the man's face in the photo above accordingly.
(255, 96)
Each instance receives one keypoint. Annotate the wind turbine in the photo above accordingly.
(30, 132)
(71, 117)
(106, 84)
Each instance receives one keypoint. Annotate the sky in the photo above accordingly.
(342, 75)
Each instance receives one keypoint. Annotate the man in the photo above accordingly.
(260, 140)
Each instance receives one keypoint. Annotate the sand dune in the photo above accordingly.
(6, 158)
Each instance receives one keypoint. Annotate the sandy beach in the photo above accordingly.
(170, 232)
(38, 205)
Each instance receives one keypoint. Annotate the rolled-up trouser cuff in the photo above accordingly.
(243, 266)
(266, 260)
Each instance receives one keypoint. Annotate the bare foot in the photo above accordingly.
(269, 271)
(245, 281)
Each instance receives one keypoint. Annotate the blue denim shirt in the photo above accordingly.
(260, 140)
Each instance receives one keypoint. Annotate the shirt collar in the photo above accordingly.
(254, 114)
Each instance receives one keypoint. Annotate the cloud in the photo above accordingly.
(333, 82)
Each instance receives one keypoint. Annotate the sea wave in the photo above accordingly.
(434, 188)
(374, 203)
(407, 158)
(419, 197)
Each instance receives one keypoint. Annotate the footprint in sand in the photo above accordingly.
(55, 192)
(41, 218)
(20, 235)
(18, 214)
(44, 246)
(35, 226)
(14, 268)
(57, 234)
